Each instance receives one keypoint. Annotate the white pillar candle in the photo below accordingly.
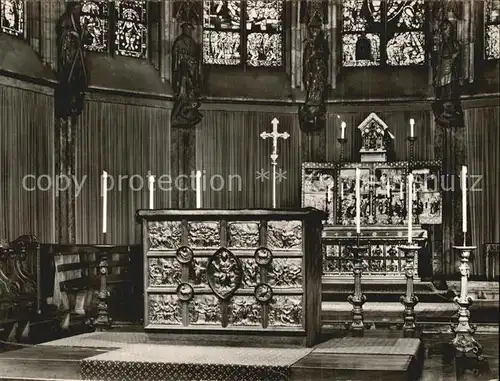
(388, 189)
(410, 206)
(198, 189)
(342, 133)
(342, 190)
(358, 202)
(464, 199)
(151, 181)
(104, 201)
(412, 128)
(401, 196)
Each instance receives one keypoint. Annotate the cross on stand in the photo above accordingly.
(275, 135)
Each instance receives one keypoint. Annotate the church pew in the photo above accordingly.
(77, 282)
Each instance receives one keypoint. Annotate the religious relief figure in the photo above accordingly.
(447, 76)
(314, 76)
(186, 79)
(71, 68)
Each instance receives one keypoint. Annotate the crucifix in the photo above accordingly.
(275, 135)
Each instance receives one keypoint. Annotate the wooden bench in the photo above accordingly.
(82, 272)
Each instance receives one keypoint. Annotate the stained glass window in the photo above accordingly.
(389, 32)
(243, 32)
(12, 17)
(127, 19)
(94, 18)
(131, 33)
(492, 29)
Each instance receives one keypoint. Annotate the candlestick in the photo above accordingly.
(410, 206)
(198, 189)
(464, 199)
(342, 142)
(465, 345)
(358, 202)
(151, 181)
(343, 126)
(409, 300)
(412, 125)
(104, 201)
(357, 325)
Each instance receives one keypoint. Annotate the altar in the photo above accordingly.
(232, 274)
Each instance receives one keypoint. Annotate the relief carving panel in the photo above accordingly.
(244, 311)
(205, 309)
(224, 273)
(164, 309)
(198, 272)
(243, 234)
(284, 235)
(285, 311)
(286, 272)
(204, 234)
(251, 273)
(164, 272)
(164, 235)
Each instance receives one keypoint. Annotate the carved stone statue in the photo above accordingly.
(186, 79)
(314, 76)
(71, 69)
(447, 77)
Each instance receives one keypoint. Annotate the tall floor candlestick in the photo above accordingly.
(409, 300)
(467, 350)
(358, 299)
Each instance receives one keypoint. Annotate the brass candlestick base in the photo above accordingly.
(342, 142)
(409, 300)
(357, 325)
(467, 350)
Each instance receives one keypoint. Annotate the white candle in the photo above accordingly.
(358, 202)
(342, 190)
(198, 189)
(104, 201)
(388, 189)
(412, 125)
(401, 196)
(410, 206)
(343, 126)
(151, 181)
(464, 199)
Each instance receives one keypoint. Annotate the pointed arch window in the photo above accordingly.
(378, 33)
(492, 29)
(12, 16)
(119, 27)
(243, 33)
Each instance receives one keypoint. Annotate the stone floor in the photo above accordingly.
(60, 360)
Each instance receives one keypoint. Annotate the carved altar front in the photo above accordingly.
(233, 272)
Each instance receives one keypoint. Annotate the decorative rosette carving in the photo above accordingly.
(263, 293)
(184, 254)
(185, 292)
(263, 256)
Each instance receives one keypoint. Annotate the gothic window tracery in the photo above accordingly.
(389, 32)
(12, 13)
(120, 26)
(492, 29)
(245, 33)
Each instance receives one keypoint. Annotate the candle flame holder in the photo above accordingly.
(412, 140)
(467, 351)
(342, 142)
(409, 300)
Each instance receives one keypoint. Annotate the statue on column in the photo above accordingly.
(71, 65)
(186, 79)
(447, 72)
(312, 114)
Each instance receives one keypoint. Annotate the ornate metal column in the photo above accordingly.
(409, 300)
(103, 321)
(357, 300)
